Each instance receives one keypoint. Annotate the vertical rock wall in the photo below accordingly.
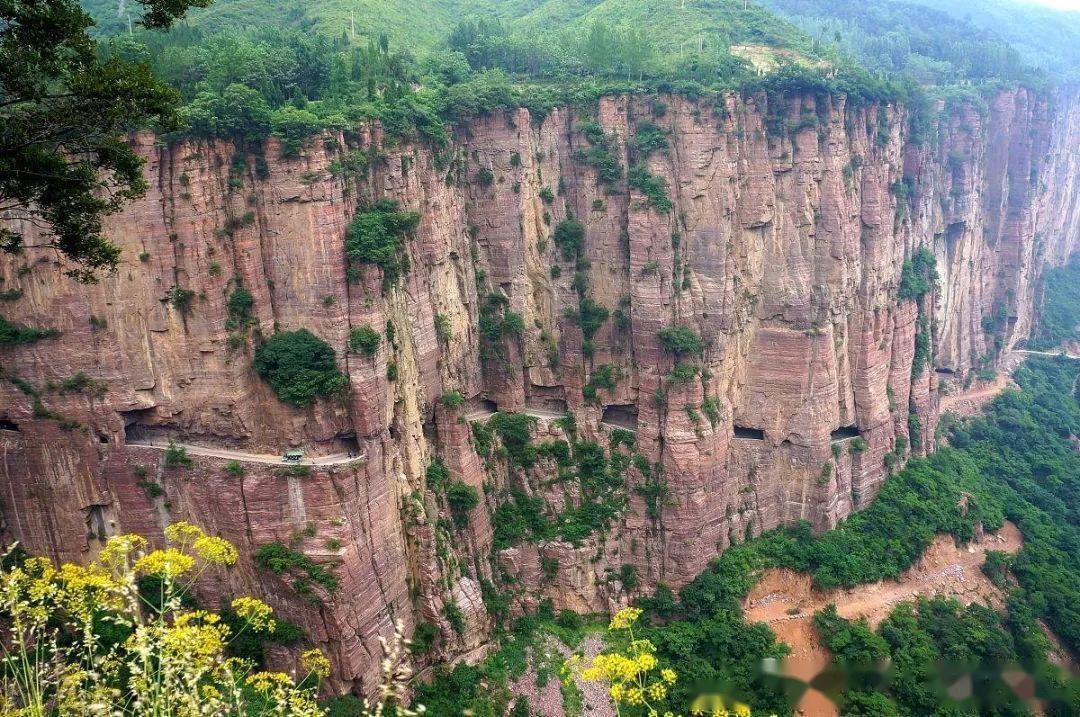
(784, 249)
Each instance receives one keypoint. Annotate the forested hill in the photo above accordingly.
(1044, 37)
(251, 68)
(929, 41)
(908, 39)
(672, 24)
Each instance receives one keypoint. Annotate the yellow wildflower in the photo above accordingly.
(118, 549)
(634, 696)
(256, 613)
(265, 682)
(168, 563)
(315, 662)
(214, 550)
(657, 691)
(668, 675)
(624, 618)
(183, 532)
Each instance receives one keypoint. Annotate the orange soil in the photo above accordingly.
(945, 569)
(971, 402)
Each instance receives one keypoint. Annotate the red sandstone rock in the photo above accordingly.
(784, 253)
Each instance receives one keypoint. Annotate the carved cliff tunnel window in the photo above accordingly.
(621, 416)
(137, 424)
(478, 405)
(944, 371)
(547, 405)
(845, 432)
(6, 425)
(348, 443)
(752, 434)
(103, 438)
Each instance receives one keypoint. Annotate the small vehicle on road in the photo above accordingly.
(292, 457)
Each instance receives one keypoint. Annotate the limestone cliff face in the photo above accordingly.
(784, 249)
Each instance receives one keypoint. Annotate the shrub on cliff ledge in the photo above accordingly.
(462, 498)
(681, 340)
(919, 275)
(377, 236)
(364, 340)
(13, 334)
(299, 367)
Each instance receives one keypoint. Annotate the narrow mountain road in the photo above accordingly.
(1046, 353)
(485, 415)
(230, 454)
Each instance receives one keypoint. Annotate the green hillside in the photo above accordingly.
(672, 24)
(911, 40)
(251, 68)
(1044, 37)
(420, 23)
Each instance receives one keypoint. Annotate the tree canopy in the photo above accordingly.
(64, 109)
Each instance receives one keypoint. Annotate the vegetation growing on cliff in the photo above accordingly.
(595, 479)
(377, 236)
(12, 334)
(299, 367)
(365, 340)
(280, 559)
(918, 275)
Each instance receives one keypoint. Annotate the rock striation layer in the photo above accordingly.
(784, 249)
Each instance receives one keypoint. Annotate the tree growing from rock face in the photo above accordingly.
(299, 366)
(64, 110)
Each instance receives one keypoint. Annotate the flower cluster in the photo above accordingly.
(258, 615)
(635, 678)
(83, 640)
(633, 675)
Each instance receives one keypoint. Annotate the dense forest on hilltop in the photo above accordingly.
(1045, 38)
(251, 68)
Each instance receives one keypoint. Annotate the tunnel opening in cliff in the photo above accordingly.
(944, 370)
(6, 425)
(621, 416)
(753, 434)
(347, 443)
(138, 424)
(843, 433)
(546, 405)
(480, 405)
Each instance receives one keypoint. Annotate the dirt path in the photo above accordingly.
(787, 601)
(971, 402)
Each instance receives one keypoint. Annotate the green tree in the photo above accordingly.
(299, 367)
(235, 112)
(64, 109)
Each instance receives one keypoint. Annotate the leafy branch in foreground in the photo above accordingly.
(65, 108)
